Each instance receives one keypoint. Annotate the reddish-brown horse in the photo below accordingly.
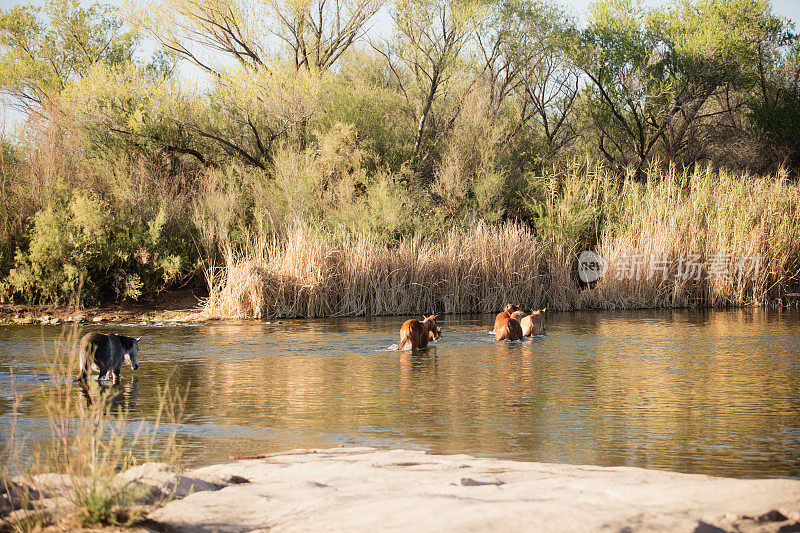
(504, 314)
(508, 329)
(506, 324)
(419, 333)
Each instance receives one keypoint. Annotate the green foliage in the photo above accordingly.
(470, 111)
(81, 246)
(775, 106)
(658, 75)
(329, 183)
(102, 502)
(97, 507)
(12, 212)
(569, 207)
(38, 58)
(361, 95)
(65, 240)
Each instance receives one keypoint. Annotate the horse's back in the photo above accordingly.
(413, 332)
(508, 329)
(93, 339)
(100, 349)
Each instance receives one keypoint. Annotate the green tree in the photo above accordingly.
(526, 49)
(717, 49)
(42, 50)
(775, 102)
(426, 59)
(658, 75)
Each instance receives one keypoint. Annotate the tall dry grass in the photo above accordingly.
(310, 271)
(736, 222)
(311, 274)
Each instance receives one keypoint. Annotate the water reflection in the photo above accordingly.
(695, 391)
(119, 399)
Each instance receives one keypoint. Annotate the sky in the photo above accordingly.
(787, 8)
(381, 25)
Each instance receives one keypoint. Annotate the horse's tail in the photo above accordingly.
(403, 340)
(87, 353)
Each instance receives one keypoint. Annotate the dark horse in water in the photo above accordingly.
(106, 353)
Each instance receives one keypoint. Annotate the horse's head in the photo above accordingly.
(434, 335)
(510, 308)
(133, 354)
(430, 324)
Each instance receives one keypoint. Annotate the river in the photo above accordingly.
(699, 391)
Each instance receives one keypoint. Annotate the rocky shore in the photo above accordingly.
(174, 306)
(367, 489)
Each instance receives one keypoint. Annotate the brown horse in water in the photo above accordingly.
(533, 324)
(504, 314)
(508, 329)
(419, 333)
(506, 324)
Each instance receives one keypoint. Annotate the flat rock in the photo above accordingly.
(162, 481)
(46, 485)
(365, 489)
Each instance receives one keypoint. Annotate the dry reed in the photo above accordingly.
(742, 231)
(313, 274)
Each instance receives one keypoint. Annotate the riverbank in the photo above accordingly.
(170, 306)
(184, 306)
(697, 239)
(367, 489)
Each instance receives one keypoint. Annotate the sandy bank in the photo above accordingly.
(364, 489)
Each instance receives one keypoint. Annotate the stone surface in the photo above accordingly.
(162, 481)
(363, 489)
(150, 484)
(46, 485)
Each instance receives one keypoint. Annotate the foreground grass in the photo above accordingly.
(743, 231)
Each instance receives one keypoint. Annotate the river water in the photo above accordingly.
(714, 392)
